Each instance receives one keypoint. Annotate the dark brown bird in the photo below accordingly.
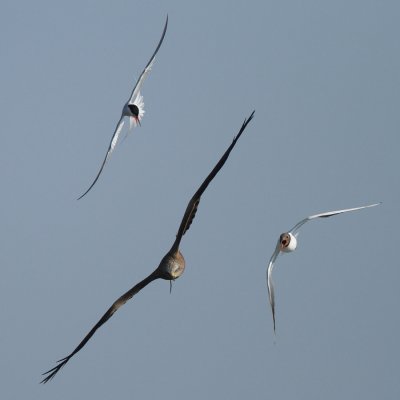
(171, 266)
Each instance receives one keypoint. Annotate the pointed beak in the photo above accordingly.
(138, 121)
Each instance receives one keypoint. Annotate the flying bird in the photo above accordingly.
(287, 243)
(133, 109)
(171, 266)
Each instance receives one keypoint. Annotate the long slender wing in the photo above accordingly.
(271, 292)
(147, 68)
(111, 147)
(195, 200)
(327, 214)
(109, 313)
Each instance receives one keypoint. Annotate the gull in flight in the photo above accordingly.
(133, 109)
(171, 266)
(287, 243)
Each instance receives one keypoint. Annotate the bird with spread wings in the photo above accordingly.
(171, 266)
(287, 243)
(133, 109)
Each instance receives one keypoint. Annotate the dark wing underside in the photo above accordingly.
(191, 209)
(109, 313)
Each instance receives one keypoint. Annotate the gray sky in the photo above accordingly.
(324, 80)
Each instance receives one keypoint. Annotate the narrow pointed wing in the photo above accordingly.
(327, 214)
(109, 313)
(113, 143)
(271, 292)
(147, 68)
(195, 200)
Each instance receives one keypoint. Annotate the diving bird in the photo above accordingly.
(287, 243)
(133, 109)
(172, 264)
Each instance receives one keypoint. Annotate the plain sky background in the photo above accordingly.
(323, 77)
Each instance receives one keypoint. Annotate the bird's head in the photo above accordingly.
(288, 242)
(135, 113)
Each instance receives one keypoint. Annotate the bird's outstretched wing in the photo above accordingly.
(195, 200)
(111, 147)
(271, 292)
(109, 313)
(327, 214)
(147, 68)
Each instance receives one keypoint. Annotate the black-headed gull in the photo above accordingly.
(133, 109)
(287, 243)
(171, 266)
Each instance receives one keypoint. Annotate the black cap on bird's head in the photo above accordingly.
(134, 109)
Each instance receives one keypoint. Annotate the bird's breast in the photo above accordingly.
(172, 266)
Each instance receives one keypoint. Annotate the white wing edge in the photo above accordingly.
(115, 137)
(327, 214)
(330, 213)
(270, 285)
(147, 68)
(111, 147)
(136, 90)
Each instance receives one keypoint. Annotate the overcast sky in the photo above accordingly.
(324, 80)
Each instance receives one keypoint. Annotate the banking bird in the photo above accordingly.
(133, 109)
(171, 266)
(287, 243)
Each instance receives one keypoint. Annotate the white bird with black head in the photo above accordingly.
(133, 109)
(287, 243)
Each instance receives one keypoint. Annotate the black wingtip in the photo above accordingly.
(81, 196)
(90, 187)
(51, 373)
(247, 120)
(84, 194)
(245, 123)
(166, 25)
(273, 317)
(97, 177)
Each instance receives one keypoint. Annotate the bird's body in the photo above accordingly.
(171, 266)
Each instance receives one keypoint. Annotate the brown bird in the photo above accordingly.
(171, 266)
